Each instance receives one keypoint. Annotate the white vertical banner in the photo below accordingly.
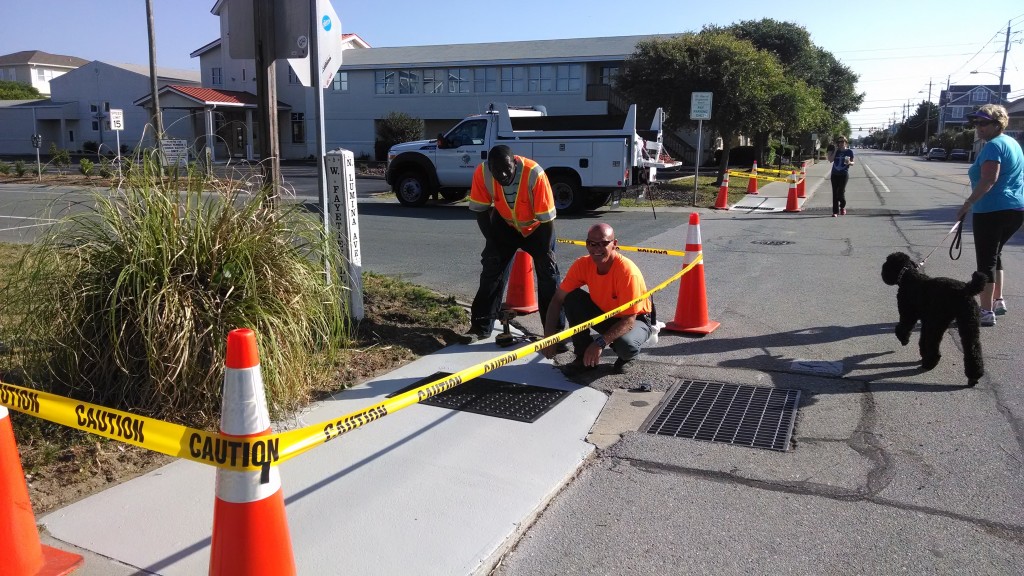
(343, 214)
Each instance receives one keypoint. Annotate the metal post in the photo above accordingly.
(266, 94)
(315, 78)
(39, 165)
(927, 113)
(118, 132)
(696, 165)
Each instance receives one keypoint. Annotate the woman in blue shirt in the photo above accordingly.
(997, 199)
(841, 158)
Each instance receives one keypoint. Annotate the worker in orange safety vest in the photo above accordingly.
(514, 209)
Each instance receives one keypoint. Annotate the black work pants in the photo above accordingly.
(839, 180)
(499, 251)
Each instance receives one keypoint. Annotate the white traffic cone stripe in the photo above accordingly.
(241, 413)
(3, 412)
(245, 487)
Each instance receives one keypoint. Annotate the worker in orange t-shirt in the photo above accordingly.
(515, 209)
(611, 280)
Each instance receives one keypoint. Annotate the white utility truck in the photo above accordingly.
(586, 158)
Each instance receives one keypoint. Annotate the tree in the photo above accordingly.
(395, 128)
(18, 91)
(743, 80)
(804, 62)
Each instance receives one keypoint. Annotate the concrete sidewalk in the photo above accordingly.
(423, 491)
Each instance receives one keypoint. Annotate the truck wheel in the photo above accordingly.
(568, 193)
(411, 189)
(453, 195)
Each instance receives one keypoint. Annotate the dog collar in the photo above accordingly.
(900, 275)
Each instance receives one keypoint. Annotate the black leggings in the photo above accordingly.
(992, 230)
(839, 180)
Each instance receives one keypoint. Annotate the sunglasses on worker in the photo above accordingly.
(598, 243)
(982, 123)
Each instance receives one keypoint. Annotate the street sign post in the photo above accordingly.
(117, 124)
(700, 110)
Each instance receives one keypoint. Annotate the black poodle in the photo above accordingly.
(936, 302)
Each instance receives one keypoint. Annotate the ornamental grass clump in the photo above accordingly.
(129, 304)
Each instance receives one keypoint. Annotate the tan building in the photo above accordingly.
(36, 68)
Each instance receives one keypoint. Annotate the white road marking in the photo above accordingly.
(875, 176)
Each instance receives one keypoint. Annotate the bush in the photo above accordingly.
(395, 128)
(5, 168)
(90, 147)
(85, 166)
(61, 158)
(106, 168)
(129, 304)
(20, 168)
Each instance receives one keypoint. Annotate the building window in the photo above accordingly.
(2, 74)
(384, 82)
(44, 75)
(979, 94)
(243, 74)
(958, 112)
(569, 77)
(93, 108)
(541, 78)
(513, 79)
(434, 80)
(340, 83)
(71, 135)
(215, 76)
(608, 74)
(95, 126)
(298, 128)
(292, 78)
(459, 80)
(409, 81)
(485, 80)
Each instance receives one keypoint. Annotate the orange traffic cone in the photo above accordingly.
(250, 529)
(722, 203)
(792, 204)
(801, 186)
(692, 304)
(21, 553)
(752, 182)
(521, 295)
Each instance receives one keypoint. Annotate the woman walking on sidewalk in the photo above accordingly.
(841, 158)
(997, 198)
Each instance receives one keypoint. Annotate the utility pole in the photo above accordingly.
(1002, 71)
(266, 94)
(158, 120)
(927, 112)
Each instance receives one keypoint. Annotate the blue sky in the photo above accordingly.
(896, 46)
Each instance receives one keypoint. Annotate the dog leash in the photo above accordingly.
(958, 228)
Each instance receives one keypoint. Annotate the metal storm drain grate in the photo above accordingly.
(772, 242)
(753, 416)
(522, 402)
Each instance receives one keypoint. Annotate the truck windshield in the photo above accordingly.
(470, 132)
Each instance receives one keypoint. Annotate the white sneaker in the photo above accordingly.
(988, 318)
(1000, 307)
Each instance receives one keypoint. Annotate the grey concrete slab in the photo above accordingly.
(423, 491)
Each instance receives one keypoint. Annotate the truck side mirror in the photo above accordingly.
(440, 140)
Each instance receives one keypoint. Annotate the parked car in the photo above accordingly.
(936, 154)
(958, 154)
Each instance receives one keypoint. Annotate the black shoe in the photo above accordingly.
(622, 366)
(562, 347)
(474, 334)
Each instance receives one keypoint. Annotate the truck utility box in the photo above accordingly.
(586, 158)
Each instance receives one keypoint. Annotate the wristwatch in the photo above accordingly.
(600, 341)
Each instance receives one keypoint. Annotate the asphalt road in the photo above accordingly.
(892, 470)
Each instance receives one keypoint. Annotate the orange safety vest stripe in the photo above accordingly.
(534, 202)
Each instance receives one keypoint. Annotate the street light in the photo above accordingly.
(1000, 91)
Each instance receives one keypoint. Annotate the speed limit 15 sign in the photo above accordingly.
(116, 119)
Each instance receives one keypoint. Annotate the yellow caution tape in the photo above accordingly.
(758, 176)
(629, 248)
(149, 433)
(258, 452)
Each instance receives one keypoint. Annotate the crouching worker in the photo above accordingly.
(611, 280)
